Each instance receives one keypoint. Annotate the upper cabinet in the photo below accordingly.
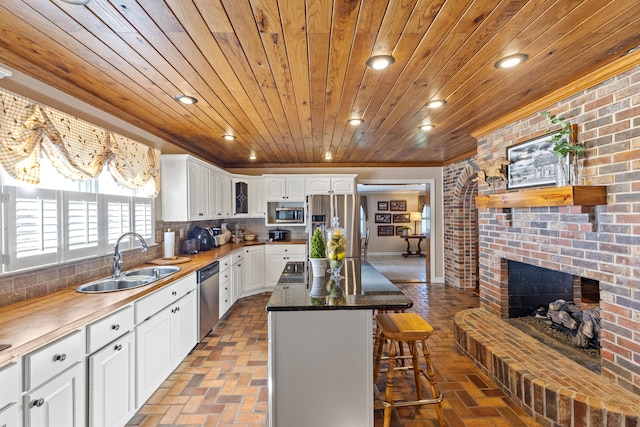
(193, 190)
(334, 184)
(284, 188)
(248, 196)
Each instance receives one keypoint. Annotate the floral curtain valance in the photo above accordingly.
(76, 148)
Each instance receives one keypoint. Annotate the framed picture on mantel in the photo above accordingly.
(533, 163)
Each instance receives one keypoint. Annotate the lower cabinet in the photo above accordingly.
(277, 256)
(253, 269)
(112, 383)
(9, 416)
(163, 340)
(58, 402)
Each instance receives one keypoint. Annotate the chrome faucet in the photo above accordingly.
(117, 255)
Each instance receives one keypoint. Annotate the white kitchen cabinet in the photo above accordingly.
(257, 204)
(9, 391)
(277, 256)
(58, 402)
(253, 269)
(225, 284)
(187, 192)
(167, 329)
(112, 383)
(10, 416)
(335, 184)
(240, 197)
(223, 195)
(237, 274)
(284, 188)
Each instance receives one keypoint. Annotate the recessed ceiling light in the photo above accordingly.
(229, 137)
(328, 156)
(186, 99)
(436, 103)
(427, 127)
(355, 121)
(511, 61)
(380, 62)
(252, 156)
(80, 2)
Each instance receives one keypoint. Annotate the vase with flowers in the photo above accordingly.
(565, 144)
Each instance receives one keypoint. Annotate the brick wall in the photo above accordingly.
(460, 225)
(602, 243)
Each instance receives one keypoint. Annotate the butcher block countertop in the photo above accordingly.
(32, 323)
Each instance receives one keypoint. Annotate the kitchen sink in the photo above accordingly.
(128, 280)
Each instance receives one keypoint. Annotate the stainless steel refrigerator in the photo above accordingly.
(322, 208)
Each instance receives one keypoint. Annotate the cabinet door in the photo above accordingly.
(112, 384)
(225, 189)
(215, 201)
(253, 269)
(295, 189)
(237, 280)
(59, 402)
(153, 354)
(343, 185)
(275, 188)
(198, 197)
(317, 185)
(9, 416)
(241, 196)
(257, 207)
(274, 266)
(184, 327)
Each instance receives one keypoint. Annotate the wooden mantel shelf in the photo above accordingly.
(548, 196)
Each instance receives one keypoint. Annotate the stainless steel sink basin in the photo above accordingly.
(155, 272)
(128, 280)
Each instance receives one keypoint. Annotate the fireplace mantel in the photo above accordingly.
(570, 195)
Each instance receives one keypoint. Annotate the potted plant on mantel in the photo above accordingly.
(318, 254)
(565, 143)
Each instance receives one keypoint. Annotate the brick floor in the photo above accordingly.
(223, 382)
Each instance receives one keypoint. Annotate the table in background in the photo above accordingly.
(408, 239)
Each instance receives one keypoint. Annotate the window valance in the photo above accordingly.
(77, 149)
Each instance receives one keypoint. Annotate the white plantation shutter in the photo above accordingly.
(81, 224)
(143, 218)
(34, 225)
(118, 218)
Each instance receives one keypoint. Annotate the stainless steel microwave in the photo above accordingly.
(290, 214)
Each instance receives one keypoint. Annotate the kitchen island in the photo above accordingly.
(321, 345)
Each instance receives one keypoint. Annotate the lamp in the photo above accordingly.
(415, 217)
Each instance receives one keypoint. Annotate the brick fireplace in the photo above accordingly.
(601, 243)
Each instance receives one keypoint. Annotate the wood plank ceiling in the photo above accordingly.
(284, 76)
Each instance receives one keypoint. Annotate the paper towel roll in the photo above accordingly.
(169, 244)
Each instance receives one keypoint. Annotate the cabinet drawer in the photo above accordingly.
(225, 263)
(225, 275)
(225, 286)
(281, 249)
(9, 381)
(105, 330)
(153, 303)
(9, 416)
(225, 302)
(47, 362)
(237, 256)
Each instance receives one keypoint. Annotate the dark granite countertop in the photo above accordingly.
(359, 287)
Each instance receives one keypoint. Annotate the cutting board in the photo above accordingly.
(170, 261)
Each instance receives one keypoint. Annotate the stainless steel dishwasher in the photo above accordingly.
(208, 283)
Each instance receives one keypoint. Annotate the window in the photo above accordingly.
(425, 225)
(62, 220)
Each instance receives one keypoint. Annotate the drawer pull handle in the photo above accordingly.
(115, 327)
(118, 347)
(174, 293)
(38, 403)
(60, 357)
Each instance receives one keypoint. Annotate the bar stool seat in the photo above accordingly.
(402, 328)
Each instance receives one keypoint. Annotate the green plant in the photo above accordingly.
(564, 141)
(317, 245)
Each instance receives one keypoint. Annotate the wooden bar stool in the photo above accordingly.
(400, 328)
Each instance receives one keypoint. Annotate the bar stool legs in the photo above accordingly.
(397, 328)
